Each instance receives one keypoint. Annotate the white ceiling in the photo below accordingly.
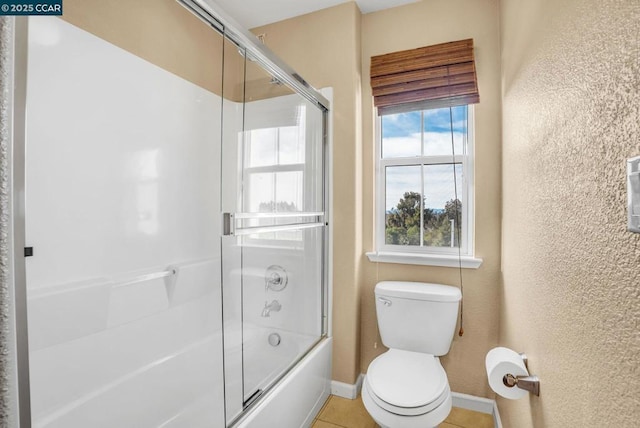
(254, 13)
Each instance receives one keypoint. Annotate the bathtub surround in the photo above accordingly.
(141, 292)
(569, 297)
(107, 280)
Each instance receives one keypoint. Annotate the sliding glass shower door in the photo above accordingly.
(273, 248)
(175, 219)
(123, 214)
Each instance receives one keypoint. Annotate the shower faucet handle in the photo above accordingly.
(275, 279)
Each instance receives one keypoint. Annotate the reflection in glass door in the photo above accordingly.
(273, 253)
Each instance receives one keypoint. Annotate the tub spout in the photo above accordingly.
(274, 306)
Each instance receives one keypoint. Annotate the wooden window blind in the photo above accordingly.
(435, 76)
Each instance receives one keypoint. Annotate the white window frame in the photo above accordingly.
(247, 172)
(427, 255)
(310, 176)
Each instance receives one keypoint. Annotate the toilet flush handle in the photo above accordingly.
(384, 301)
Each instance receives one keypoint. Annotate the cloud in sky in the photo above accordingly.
(400, 125)
(437, 120)
(401, 137)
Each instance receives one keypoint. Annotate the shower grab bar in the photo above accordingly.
(146, 277)
(264, 229)
(278, 215)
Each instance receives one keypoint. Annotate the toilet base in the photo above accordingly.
(391, 420)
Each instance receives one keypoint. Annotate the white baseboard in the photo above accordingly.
(478, 404)
(463, 401)
(346, 390)
(497, 423)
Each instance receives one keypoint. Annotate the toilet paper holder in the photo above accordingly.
(528, 383)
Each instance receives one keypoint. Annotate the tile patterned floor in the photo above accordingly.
(343, 413)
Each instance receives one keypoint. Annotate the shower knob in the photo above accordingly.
(275, 278)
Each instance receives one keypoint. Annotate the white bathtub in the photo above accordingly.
(298, 397)
(165, 370)
(253, 365)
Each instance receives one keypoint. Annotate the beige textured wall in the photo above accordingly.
(159, 31)
(420, 24)
(571, 293)
(324, 48)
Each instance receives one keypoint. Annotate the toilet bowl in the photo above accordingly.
(407, 387)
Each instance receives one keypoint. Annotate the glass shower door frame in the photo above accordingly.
(245, 43)
(238, 224)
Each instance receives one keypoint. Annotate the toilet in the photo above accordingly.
(407, 387)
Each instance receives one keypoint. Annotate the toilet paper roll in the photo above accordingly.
(499, 362)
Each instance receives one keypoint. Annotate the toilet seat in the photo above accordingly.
(407, 383)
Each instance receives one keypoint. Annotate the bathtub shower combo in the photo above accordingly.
(178, 236)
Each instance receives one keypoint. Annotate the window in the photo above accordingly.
(274, 176)
(280, 156)
(423, 97)
(424, 182)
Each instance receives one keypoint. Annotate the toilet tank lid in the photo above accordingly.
(418, 291)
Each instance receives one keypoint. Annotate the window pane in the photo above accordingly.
(442, 212)
(291, 147)
(402, 206)
(437, 130)
(261, 147)
(289, 191)
(275, 192)
(401, 135)
(261, 192)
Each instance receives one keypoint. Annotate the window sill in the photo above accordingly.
(444, 260)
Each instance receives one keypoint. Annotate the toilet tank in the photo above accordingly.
(417, 316)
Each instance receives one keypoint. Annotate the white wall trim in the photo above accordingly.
(471, 402)
(477, 404)
(445, 260)
(463, 401)
(346, 390)
(497, 423)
